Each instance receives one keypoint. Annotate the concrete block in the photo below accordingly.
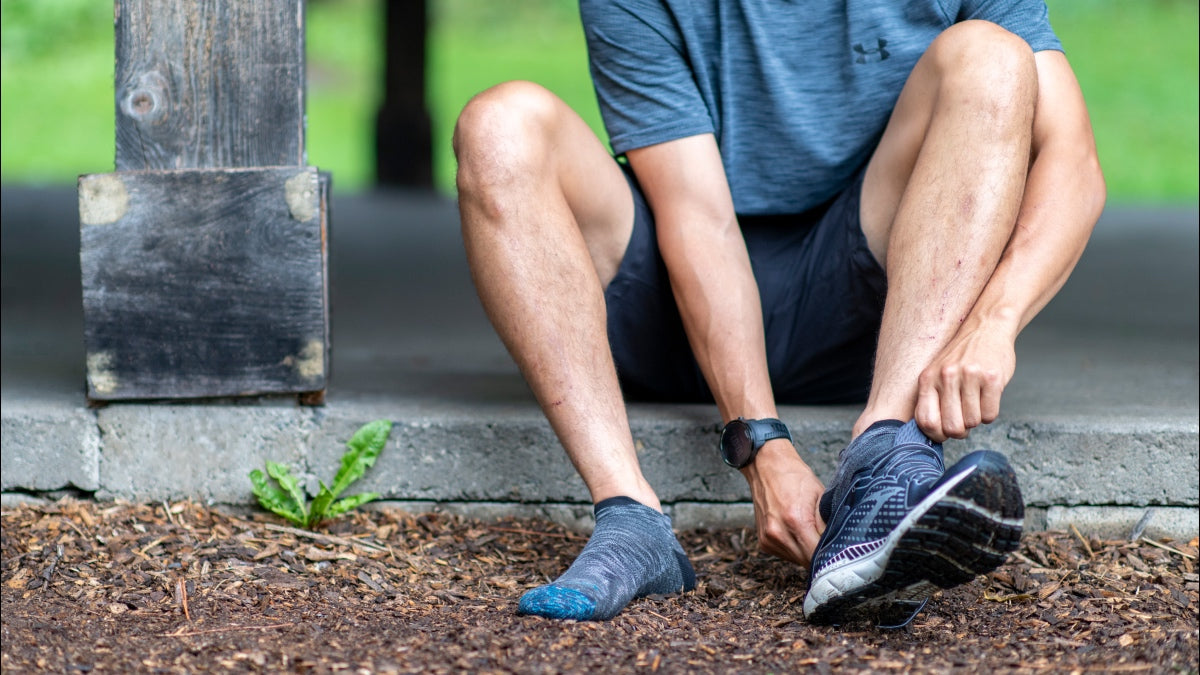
(460, 457)
(1116, 522)
(711, 516)
(201, 452)
(578, 517)
(12, 500)
(1097, 460)
(448, 457)
(48, 445)
(677, 448)
(575, 517)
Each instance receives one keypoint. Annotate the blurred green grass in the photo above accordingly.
(1136, 61)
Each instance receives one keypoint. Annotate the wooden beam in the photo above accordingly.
(209, 83)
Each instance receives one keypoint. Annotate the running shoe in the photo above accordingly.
(906, 528)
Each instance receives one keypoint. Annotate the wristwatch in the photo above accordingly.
(741, 439)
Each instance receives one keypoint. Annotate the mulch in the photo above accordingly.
(182, 588)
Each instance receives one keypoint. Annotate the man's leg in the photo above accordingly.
(939, 203)
(546, 215)
(941, 196)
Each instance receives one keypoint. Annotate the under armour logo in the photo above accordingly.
(865, 55)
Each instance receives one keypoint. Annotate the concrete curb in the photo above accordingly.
(510, 458)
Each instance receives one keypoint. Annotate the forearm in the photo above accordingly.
(711, 276)
(719, 303)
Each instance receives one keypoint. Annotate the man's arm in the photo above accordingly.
(705, 254)
(1064, 195)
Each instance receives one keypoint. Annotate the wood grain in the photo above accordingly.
(209, 84)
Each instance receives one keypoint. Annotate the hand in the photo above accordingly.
(786, 493)
(961, 388)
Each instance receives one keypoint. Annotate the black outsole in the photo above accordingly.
(949, 545)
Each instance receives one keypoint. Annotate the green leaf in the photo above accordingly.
(316, 511)
(283, 474)
(362, 451)
(273, 499)
(289, 499)
(353, 501)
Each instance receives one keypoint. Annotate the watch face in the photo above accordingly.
(737, 444)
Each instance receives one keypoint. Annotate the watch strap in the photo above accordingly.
(767, 429)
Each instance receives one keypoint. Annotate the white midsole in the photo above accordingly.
(840, 577)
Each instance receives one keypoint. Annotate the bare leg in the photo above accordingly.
(940, 203)
(546, 216)
(941, 197)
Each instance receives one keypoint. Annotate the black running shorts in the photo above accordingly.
(822, 295)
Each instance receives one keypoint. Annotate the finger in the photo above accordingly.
(951, 400)
(790, 551)
(777, 541)
(800, 540)
(970, 392)
(808, 542)
(928, 410)
(989, 399)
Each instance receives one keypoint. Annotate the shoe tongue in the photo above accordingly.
(910, 434)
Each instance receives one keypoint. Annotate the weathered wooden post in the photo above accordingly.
(403, 136)
(204, 254)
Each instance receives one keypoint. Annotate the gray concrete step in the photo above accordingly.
(1102, 413)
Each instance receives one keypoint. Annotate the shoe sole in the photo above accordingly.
(965, 528)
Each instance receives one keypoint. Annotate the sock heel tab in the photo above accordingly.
(616, 501)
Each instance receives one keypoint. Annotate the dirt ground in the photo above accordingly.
(181, 588)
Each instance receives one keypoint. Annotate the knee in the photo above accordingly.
(502, 133)
(988, 65)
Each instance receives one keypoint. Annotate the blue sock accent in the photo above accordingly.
(556, 602)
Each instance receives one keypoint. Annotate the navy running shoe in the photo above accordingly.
(905, 528)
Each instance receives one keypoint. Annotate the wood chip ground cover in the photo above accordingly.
(181, 588)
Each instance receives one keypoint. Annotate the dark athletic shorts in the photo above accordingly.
(822, 294)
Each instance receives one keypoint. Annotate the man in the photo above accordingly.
(822, 202)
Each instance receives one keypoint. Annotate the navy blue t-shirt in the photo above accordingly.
(797, 92)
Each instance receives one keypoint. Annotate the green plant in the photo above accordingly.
(286, 498)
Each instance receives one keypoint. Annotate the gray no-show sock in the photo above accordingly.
(631, 553)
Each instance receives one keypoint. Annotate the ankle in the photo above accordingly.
(877, 413)
(642, 494)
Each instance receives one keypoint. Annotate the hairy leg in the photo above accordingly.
(940, 199)
(546, 215)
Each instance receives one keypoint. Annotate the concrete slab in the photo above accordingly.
(49, 443)
(1103, 410)
(1112, 522)
(151, 453)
